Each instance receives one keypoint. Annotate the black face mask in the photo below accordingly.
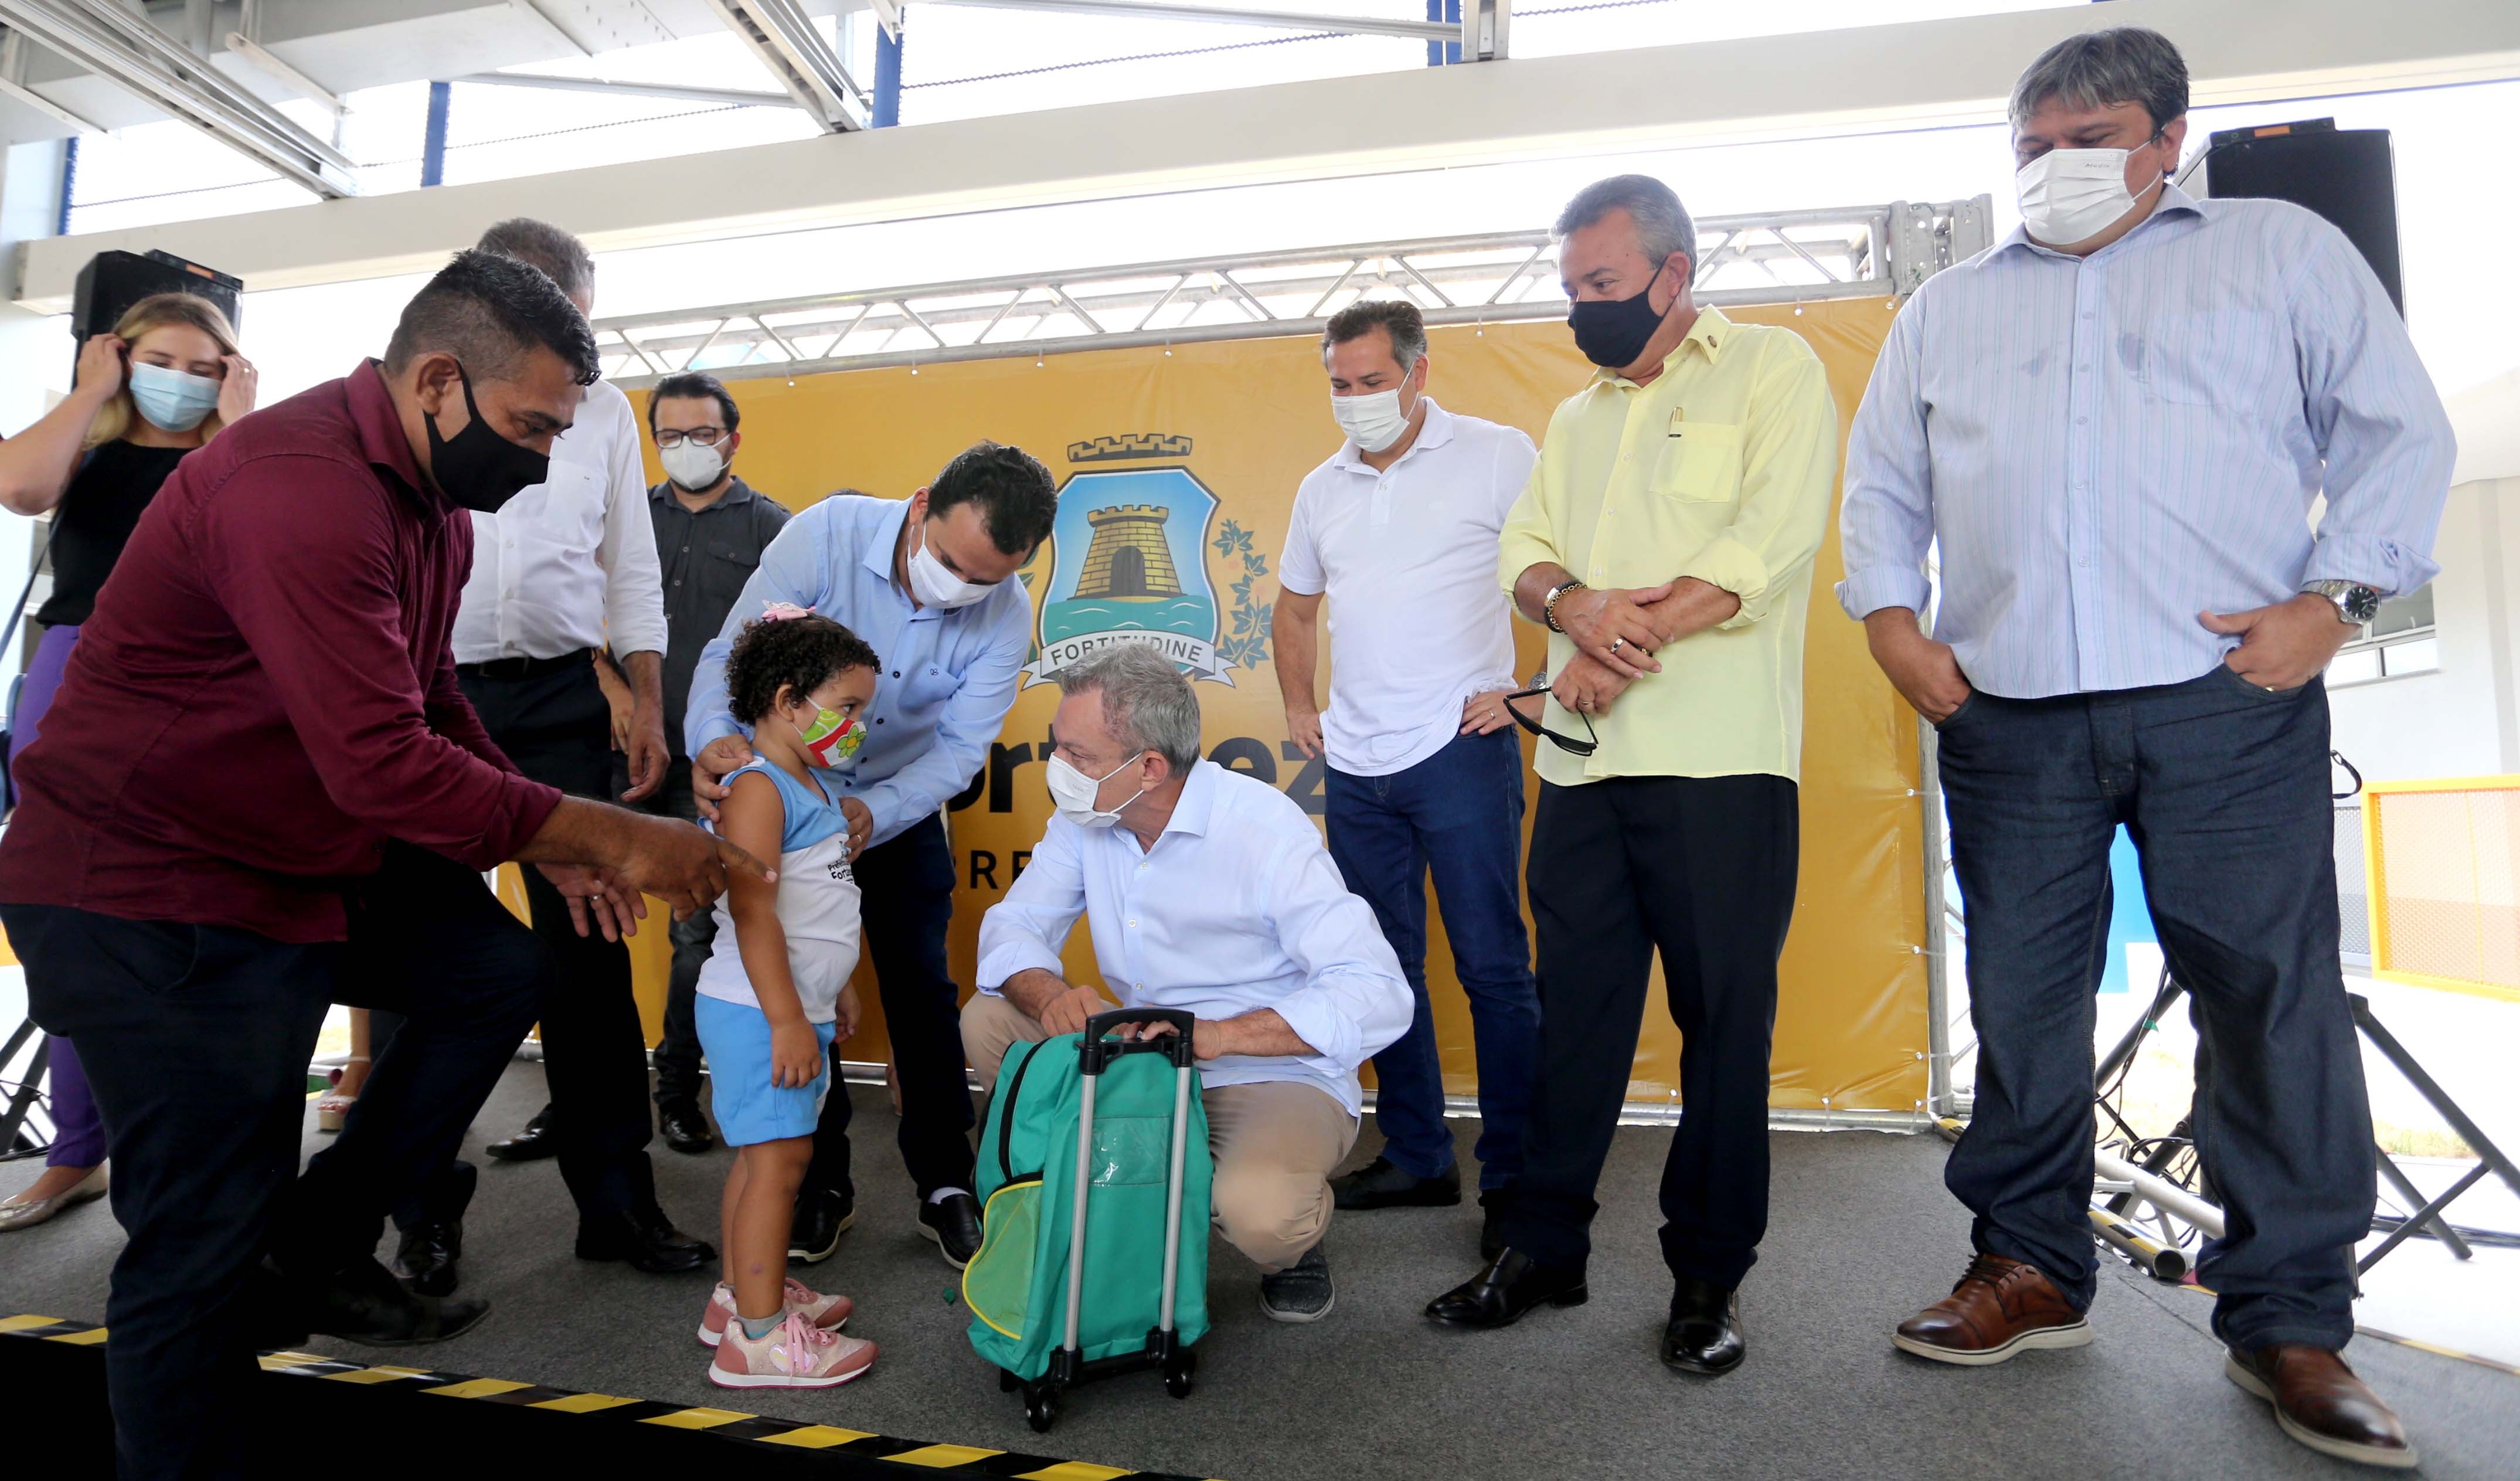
(478, 468)
(1612, 331)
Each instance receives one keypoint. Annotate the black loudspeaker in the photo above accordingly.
(2346, 175)
(113, 282)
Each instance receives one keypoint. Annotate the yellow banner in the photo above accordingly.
(1177, 470)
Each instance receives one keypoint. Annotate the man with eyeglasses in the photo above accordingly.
(711, 528)
(1666, 541)
(2116, 423)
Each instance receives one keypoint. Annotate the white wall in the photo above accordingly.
(2457, 722)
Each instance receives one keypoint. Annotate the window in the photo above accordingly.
(2399, 642)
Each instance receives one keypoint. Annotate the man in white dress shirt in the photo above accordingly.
(1399, 531)
(1211, 893)
(565, 569)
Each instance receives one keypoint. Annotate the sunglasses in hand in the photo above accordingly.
(1567, 743)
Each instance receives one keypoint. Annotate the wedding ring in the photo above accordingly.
(1617, 644)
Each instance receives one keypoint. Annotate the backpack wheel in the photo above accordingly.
(1041, 1409)
(1178, 1382)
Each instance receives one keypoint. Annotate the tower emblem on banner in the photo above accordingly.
(1129, 566)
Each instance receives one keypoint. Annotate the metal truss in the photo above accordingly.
(122, 46)
(1774, 257)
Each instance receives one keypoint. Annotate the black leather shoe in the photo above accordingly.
(271, 1312)
(1505, 1289)
(648, 1241)
(364, 1303)
(953, 1223)
(684, 1128)
(1379, 1184)
(1704, 1335)
(822, 1217)
(424, 1260)
(534, 1142)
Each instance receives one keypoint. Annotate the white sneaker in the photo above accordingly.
(794, 1354)
(829, 1312)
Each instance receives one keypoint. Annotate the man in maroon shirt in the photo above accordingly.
(259, 792)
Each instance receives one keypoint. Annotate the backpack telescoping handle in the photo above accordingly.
(1096, 1052)
(1099, 1051)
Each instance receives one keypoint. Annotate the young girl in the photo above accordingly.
(774, 995)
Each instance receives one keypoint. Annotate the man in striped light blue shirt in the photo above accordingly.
(2116, 423)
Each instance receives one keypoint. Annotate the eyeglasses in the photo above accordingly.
(698, 437)
(1567, 743)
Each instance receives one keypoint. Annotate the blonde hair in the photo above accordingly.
(159, 311)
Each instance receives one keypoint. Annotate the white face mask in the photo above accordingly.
(2069, 196)
(690, 466)
(934, 585)
(1374, 419)
(1074, 792)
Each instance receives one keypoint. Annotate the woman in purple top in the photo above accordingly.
(162, 384)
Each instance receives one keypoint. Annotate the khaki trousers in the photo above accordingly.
(1273, 1144)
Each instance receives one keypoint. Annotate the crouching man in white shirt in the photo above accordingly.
(1208, 892)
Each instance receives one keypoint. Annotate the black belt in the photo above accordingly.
(525, 668)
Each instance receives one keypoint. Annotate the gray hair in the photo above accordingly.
(1397, 317)
(563, 258)
(1662, 223)
(2104, 69)
(1146, 701)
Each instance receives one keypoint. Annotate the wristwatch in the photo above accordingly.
(1549, 603)
(2356, 604)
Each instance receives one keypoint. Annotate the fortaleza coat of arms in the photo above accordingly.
(1129, 564)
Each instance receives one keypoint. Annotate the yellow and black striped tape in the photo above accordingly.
(615, 1408)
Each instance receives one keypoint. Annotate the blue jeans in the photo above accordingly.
(2224, 788)
(1459, 812)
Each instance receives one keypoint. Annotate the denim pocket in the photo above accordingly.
(1953, 718)
(2258, 692)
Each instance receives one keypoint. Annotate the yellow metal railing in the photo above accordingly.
(2443, 861)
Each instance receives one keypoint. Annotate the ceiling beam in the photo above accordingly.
(1220, 14)
(793, 51)
(127, 49)
(745, 97)
(251, 52)
(1920, 73)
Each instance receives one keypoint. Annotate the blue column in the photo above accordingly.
(1444, 53)
(887, 76)
(432, 146)
(69, 185)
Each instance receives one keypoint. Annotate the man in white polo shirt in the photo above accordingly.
(1399, 531)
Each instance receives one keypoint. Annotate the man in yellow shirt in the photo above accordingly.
(1666, 540)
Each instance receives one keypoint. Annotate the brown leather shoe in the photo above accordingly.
(2319, 1401)
(1999, 1308)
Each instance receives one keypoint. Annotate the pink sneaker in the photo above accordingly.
(829, 1312)
(796, 1354)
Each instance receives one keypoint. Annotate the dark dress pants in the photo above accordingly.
(196, 1041)
(1701, 868)
(2224, 788)
(559, 731)
(906, 885)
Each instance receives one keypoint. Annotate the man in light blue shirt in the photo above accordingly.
(2116, 425)
(928, 582)
(1209, 892)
